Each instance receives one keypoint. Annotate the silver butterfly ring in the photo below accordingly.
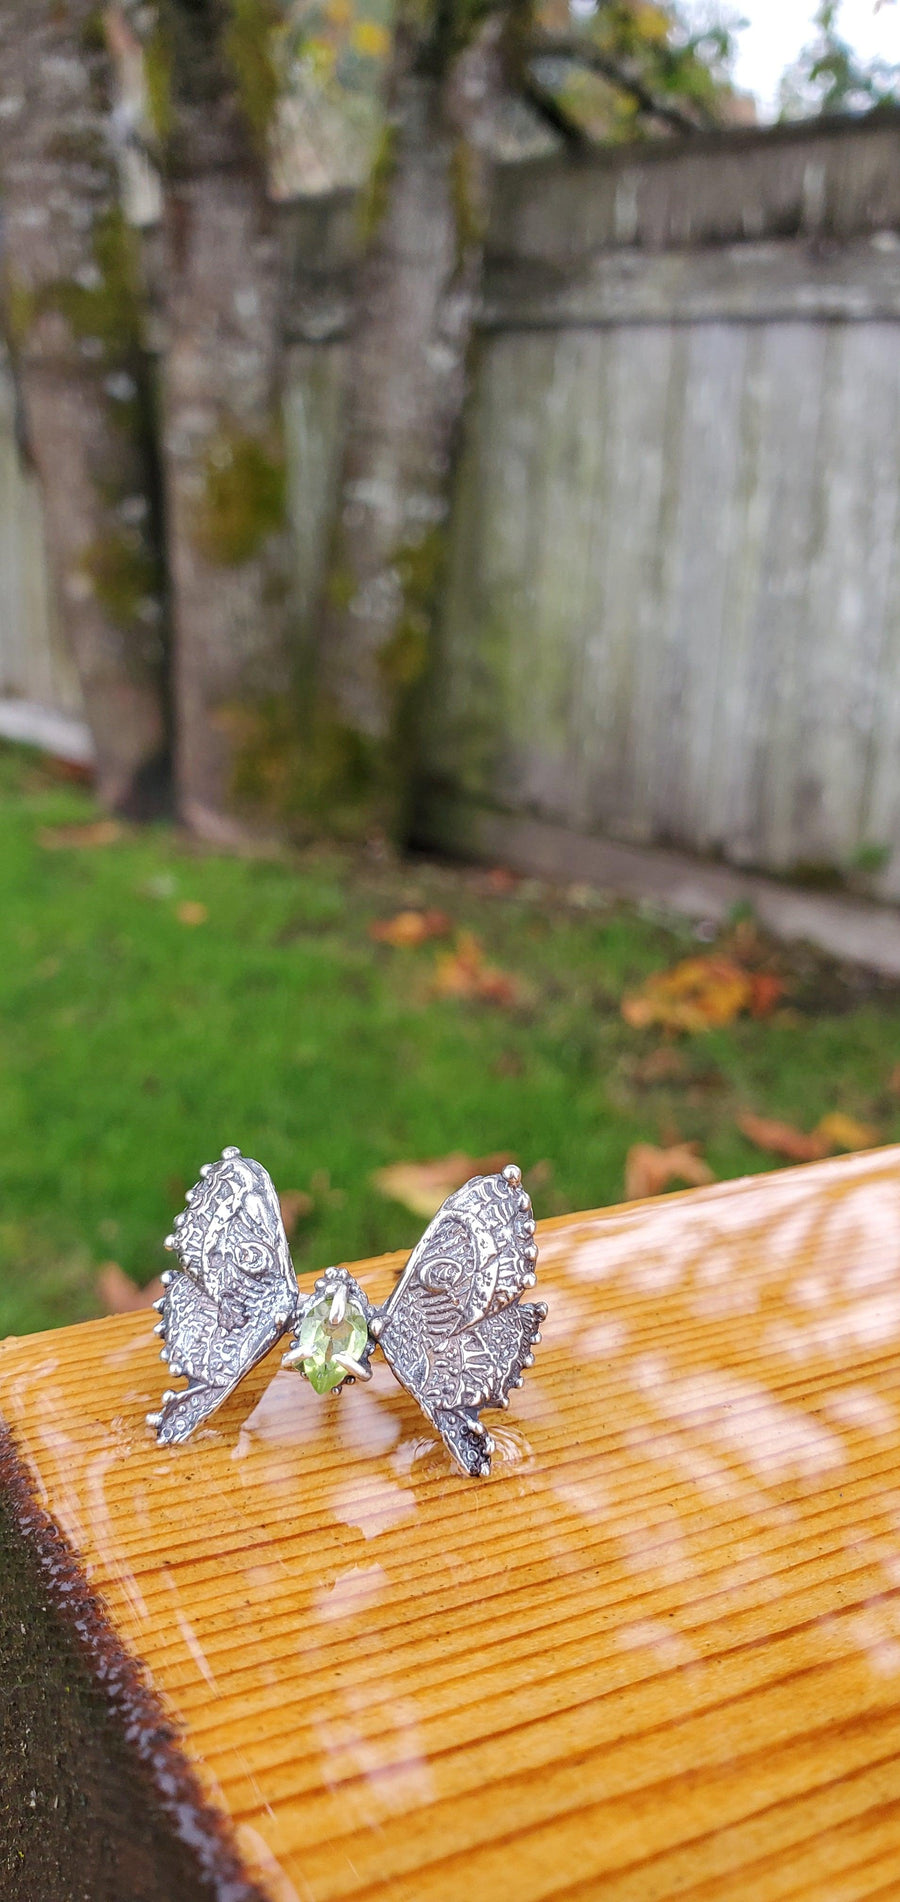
(454, 1331)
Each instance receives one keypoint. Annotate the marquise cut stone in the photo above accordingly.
(319, 1339)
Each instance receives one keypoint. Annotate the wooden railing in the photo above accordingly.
(657, 1653)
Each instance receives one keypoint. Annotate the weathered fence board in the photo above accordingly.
(313, 414)
(34, 669)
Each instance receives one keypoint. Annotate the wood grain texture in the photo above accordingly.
(656, 1655)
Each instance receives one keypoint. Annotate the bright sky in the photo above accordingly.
(776, 30)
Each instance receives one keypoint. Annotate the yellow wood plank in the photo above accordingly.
(656, 1654)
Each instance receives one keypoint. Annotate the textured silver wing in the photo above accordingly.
(233, 1296)
(455, 1331)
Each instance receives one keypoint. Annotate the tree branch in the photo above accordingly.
(581, 52)
(548, 108)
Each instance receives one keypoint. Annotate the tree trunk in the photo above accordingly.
(226, 488)
(405, 390)
(73, 305)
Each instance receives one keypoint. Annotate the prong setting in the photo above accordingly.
(357, 1369)
(332, 1340)
(338, 1306)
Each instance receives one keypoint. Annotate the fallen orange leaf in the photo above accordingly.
(80, 838)
(499, 987)
(834, 1131)
(118, 1294)
(463, 973)
(410, 928)
(844, 1132)
(782, 1139)
(649, 1170)
(191, 912)
(423, 1186)
(696, 994)
(894, 1080)
(766, 990)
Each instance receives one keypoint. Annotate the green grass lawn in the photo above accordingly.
(134, 1046)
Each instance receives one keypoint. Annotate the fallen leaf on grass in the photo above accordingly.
(781, 1139)
(80, 838)
(410, 928)
(118, 1294)
(649, 1170)
(844, 1132)
(766, 990)
(463, 973)
(696, 994)
(295, 1206)
(191, 912)
(835, 1131)
(423, 1186)
(894, 1080)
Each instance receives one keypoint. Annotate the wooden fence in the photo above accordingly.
(673, 601)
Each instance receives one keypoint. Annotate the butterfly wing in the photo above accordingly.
(233, 1295)
(455, 1330)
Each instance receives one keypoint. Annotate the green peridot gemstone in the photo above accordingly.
(319, 1339)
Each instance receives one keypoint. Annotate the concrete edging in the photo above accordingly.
(857, 929)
